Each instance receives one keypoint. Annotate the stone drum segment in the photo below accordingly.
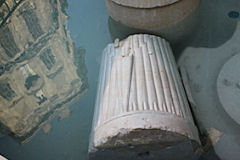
(151, 14)
(141, 104)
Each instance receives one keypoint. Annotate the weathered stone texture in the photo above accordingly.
(141, 100)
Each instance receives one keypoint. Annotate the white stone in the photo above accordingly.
(141, 99)
(2, 158)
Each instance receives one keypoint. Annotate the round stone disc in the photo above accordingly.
(144, 3)
(228, 87)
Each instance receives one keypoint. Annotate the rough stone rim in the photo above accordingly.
(145, 3)
(148, 120)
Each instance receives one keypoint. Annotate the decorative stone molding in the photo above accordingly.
(141, 99)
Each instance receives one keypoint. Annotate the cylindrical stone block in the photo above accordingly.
(150, 14)
(141, 102)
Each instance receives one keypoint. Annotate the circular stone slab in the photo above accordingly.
(144, 3)
(152, 18)
(228, 87)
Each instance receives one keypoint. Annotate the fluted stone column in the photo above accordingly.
(141, 103)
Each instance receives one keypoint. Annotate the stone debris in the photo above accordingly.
(214, 136)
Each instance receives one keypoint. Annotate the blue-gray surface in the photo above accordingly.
(88, 24)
